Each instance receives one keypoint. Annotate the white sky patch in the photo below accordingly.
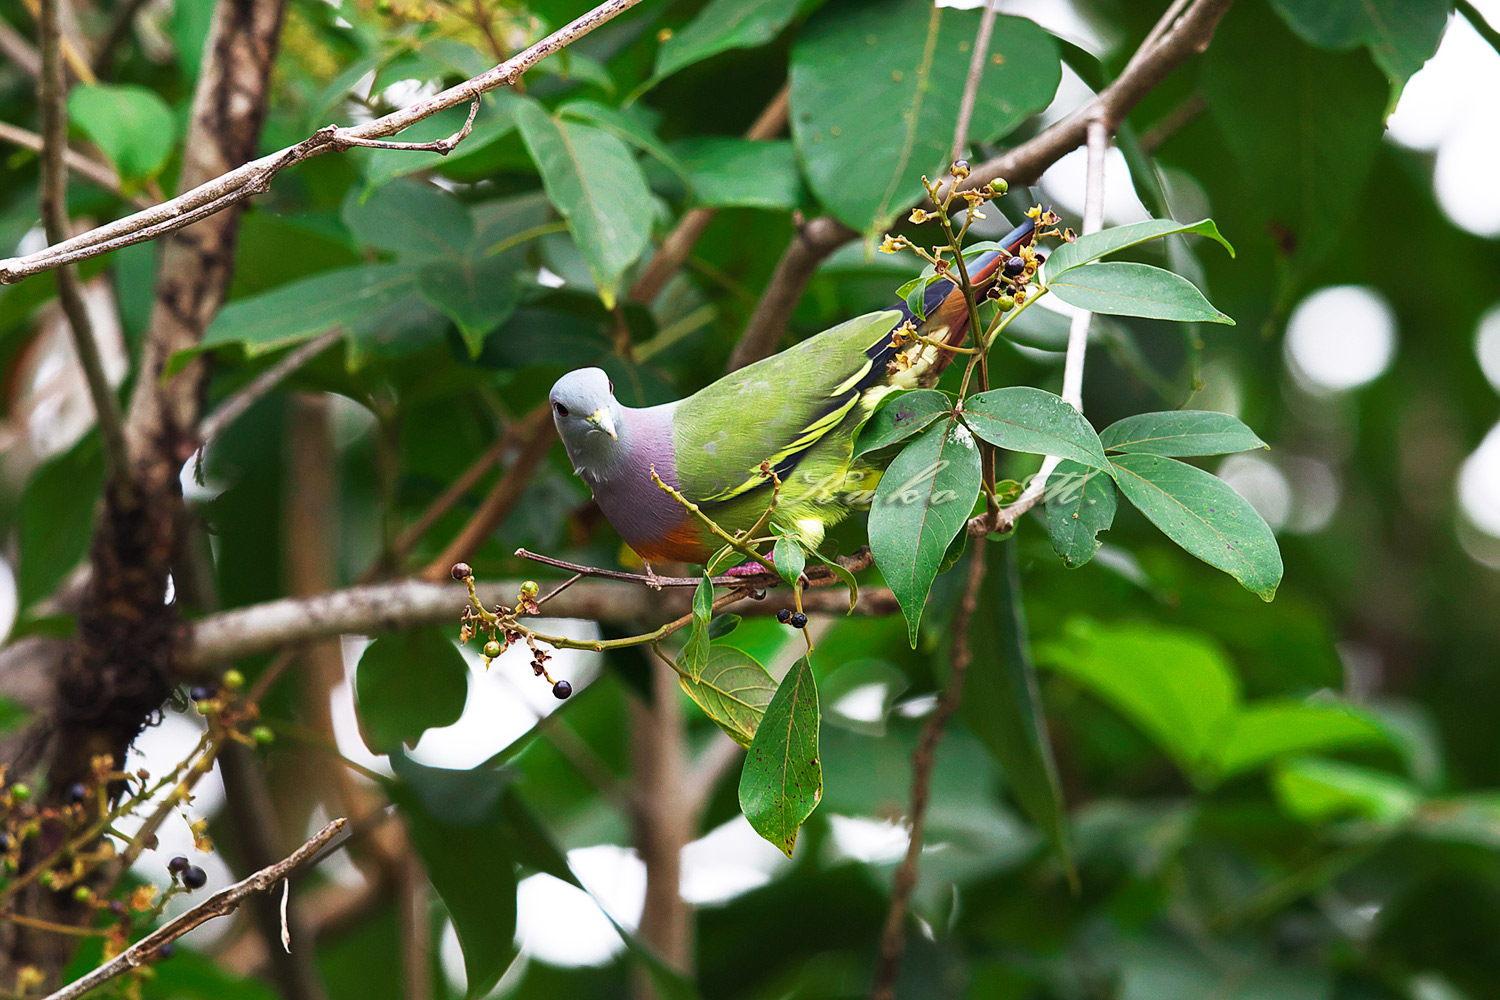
(1262, 484)
(9, 598)
(1340, 337)
(728, 861)
(865, 703)
(1487, 346)
(1479, 484)
(559, 924)
(870, 841)
(1066, 180)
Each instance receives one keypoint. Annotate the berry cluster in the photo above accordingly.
(477, 620)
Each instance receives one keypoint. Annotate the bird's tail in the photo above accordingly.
(947, 315)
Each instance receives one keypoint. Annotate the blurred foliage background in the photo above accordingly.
(1298, 799)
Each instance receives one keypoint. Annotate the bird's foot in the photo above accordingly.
(652, 580)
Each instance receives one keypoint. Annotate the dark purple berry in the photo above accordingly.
(117, 907)
(799, 620)
(178, 865)
(77, 792)
(783, 616)
(194, 877)
(561, 690)
(5, 843)
(200, 692)
(461, 571)
(1013, 267)
(166, 951)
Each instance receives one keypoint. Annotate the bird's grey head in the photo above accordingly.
(589, 419)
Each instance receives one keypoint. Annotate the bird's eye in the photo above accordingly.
(562, 411)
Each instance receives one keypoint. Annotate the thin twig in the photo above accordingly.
(120, 21)
(449, 498)
(52, 95)
(92, 170)
(650, 581)
(1172, 122)
(67, 27)
(1478, 23)
(977, 59)
(19, 51)
(1078, 338)
(893, 937)
(220, 903)
(254, 177)
(263, 385)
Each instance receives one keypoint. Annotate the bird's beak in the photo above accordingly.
(601, 419)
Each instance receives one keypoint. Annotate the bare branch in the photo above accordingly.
(389, 607)
(893, 937)
(976, 73)
(1164, 50)
(52, 96)
(19, 51)
(263, 385)
(223, 902)
(92, 170)
(255, 176)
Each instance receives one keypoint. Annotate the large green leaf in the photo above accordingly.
(724, 25)
(477, 294)
(1401, 34)
(695, 649)
(411, 219)
(1001, 703)
(1180, 433)
(1021, 418)
(406, 684)
(923, 501)
(1204, 515)
(733, 690)
(875, 89)
(288, 315)
(626, 127)
(1107, 241)
(1176, 685)
(1315, 790)
(57, 513)
(597, 186)
(1270, 730)
(1122, 288)
(467, 862)
(1302, 136)
(740, 173)
(1080, 504)
(899, 418)
(783, 778)
(132, 125)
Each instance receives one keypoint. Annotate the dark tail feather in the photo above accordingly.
(944, 303)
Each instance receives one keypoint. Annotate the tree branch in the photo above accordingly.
(893, 937)
(19, 51)
(389, 607)
(263, 385)
(971, 83)
(52, 96)
(1163, 51)
(253, 177)
(223, 902)
(92, 170)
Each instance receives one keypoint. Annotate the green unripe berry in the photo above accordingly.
(1006, 303)
(998, 186)
(493, 649)
(530, 589)
(82, 894)
(20, 792)
(233, 680)
(262, 735)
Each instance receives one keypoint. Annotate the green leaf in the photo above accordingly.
(478, 295)
(625, 127)
(1175, 685)
(845, 577)
(740, 173)
(1401, 34)
(1021, 418)
(695, 650)
(876, 87)
(474, 875)
(1180, 433)
(597, 186)
(57, 513)
(1002, 705)
(1303, 167)
(923, 501)
(1269, 730)
(1204, 515)
(733, 690)
(1121, 288)
(725, 25)
(493, 123)
(788, 558)
(783, 780)
(1108, 241)
(411, 219)
(406, 684)
(899, 417)
(132, 126)
(1080, 504)
(1314, 790)
(293, 313)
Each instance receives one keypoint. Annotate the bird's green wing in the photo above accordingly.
(774, 410)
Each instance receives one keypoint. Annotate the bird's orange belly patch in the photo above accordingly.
(682, 544)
